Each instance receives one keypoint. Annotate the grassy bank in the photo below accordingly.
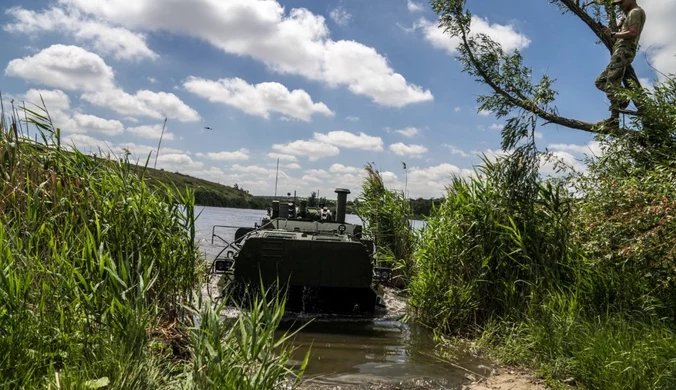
(574, 277)
(205, 193)
(98, 273)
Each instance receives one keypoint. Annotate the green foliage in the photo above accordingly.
(598, 352)
(243, 354)
(578, 285)
(96, 268)
(387, 219)
(483, 255)
(206, 193)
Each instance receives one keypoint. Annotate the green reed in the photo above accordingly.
(97, 275)
(387, 217)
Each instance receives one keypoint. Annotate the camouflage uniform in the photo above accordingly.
(624, 51)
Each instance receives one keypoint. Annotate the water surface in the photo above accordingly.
(354, 353)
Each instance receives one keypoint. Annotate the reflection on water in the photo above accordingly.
(360, 352)
(352, 353)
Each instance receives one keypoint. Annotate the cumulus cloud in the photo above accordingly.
(58, 105)
(351, 141)
(169, 158)
(505, 35)
(340, 168)
(177, 161)
(158, 105)
(65, 67)
(53, 99)
(119, 42)
(312, 149)
(238, 155)
(76, 69)
(260, 99)
(282, 157)
(91, 123)
(402, 149)
(288, 42)
(592, 148)
(657, 38)
(151, 132)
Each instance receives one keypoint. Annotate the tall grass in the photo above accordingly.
(579, 285)
(387, 217)
(480, 257)
(97, 278)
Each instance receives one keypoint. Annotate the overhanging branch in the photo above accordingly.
(528, 104)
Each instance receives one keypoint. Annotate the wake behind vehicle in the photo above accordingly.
(324, 263)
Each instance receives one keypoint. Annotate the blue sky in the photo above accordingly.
(326, 86)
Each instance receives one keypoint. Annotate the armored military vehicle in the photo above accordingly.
(323, 263)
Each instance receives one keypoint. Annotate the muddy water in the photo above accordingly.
(382, 352)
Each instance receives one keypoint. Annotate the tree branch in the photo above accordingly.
(572, 5)
(528, 104)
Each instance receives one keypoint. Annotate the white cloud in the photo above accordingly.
(539, 135)
(408, 132)
(484, 113)
(142, 151)
(340, 16)
(340, 168)
(103, 38)
(294, 42)
(53, 99)
(455, 150)
(457, 109)
(292, 166)
(352, 141)
(282, 157)
(152, 80)
(402, 149)
(433, 179)
(259, 99)
(73, 68)
(657, 38)
(238, 155)
(313, 150)
(496, 126)
(169, 158)
(413, 6)
(177, 161)
(91, 123)
(151, 132)
(158, 105)
(505, 35)
(87, 144)
(66, 67)
(58, 107)
(592, 148)
(352, 118)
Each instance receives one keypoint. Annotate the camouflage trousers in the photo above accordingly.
(610, 80)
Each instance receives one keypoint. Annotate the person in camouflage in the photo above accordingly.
(624, 50)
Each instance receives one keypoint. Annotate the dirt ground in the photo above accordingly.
(508, 380)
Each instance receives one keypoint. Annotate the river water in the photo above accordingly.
(381, 353)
